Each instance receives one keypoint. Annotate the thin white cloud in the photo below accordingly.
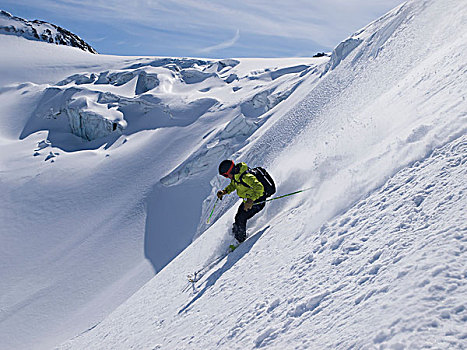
(99, 39)
(222, 45)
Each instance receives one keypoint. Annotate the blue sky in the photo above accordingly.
(206, 28)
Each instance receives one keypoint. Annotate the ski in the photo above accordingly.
(198, 275)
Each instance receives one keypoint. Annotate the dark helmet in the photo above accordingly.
(225, 167)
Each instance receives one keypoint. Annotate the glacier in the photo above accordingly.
(109, 172)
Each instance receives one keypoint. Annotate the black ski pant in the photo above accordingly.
(239, 226)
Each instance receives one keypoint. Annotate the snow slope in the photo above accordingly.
(108, 172)
(374, 256)
(101, 157)
(389, 271)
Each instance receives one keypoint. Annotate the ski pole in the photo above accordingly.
(212, 211)
(285, 195)
(267, 200)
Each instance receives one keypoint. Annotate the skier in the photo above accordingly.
(253, 185)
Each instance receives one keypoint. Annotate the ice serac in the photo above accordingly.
(76, 111)
(193, 76)
(163, 93)
(373, 37)
(42, 31)
(235, 132)
(146, 82)
(78, 79)
(91, 120)
(341, 52)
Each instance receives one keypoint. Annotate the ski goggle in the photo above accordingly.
(227, 173)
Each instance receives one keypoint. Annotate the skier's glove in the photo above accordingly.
(221, 194)
(248, 204)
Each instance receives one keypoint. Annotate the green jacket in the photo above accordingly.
(253, 192)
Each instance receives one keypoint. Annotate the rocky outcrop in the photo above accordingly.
(41, 31)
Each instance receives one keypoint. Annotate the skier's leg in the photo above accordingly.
(256, 208)
(239, 226)
(242, 216)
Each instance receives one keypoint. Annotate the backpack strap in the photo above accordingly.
(241, 178)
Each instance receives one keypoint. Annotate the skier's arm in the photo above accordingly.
(256, 189)
(230, 188)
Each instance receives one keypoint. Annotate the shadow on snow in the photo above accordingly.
(232, 259)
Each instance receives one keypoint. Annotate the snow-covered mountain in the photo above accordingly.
(97, 151)
(40, 30)
(108, 173)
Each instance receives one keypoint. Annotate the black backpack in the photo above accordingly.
(262, 176)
